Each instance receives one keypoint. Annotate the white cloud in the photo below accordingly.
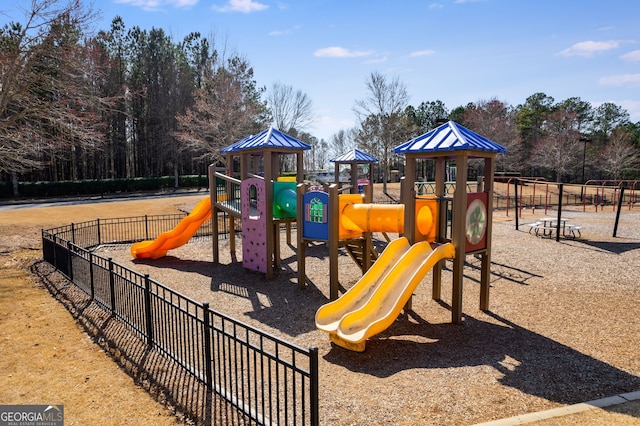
(590, 48)
(148, 5)
(620, 80)
(435, 6)
(285, 31)
(185, 3)
(243, 6)
(633, 56)
(156, 5)
(426, 52)
(341, 52)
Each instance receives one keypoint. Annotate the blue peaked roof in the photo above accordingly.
(231, 148)
(268, 138)
(449, 137)
(355, 156)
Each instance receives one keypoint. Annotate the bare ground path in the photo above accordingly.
(46, 356)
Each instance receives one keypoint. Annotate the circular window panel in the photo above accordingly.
(476, 224)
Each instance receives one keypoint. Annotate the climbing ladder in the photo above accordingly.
(355, 249)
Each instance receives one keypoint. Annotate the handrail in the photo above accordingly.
(227, 178)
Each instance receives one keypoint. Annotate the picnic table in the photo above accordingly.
(547, 227)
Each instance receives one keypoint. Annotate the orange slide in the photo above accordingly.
(374, 302)
(178, 236)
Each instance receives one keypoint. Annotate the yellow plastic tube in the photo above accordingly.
(373, 217)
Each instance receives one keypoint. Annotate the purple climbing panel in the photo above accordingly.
(254, 225)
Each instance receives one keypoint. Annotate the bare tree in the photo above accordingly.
(343, 141)
(47, 103)
(619, 155)
(381, 116)
(226, 109)
(559, 149)
(290, 109)
(318, 156)
(497, 121)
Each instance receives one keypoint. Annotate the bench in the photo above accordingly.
(534, 226)
(571, 230)
(547, 231)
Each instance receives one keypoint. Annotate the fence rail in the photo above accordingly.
(266, 380)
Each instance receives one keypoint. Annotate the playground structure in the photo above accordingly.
(259, 198)
(263, 201)
(377, 299)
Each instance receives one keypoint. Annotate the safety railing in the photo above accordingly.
(264, 379)
(228, 193)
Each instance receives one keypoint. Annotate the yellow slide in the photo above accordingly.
(178, 236)
(328, 316)
(352, 322)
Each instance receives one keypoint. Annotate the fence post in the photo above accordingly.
(615, 226)
(515, 200)
(99, 234)
(146, 227)
(69, 262)
(42, 238)
(112, 285)
(147, 309)
(91, 282)
(73, 233)
(560, 192)
(54, 241)
(313, 384)
(207, 346)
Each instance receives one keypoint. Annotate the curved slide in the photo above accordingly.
(178, 236)
(328, 316)
(374, 303)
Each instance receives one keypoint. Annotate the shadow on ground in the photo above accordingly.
(530, 362)
(617, 247)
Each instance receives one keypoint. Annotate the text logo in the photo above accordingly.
(31, 415)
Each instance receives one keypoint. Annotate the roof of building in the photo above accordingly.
(355, 156)
(449, 137)
(271, 138)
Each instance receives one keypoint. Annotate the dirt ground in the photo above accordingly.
(48, 359)
(46, 356)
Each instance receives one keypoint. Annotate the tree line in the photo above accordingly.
(127, 102)
(570, 140)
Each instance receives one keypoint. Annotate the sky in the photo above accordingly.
(455, 51)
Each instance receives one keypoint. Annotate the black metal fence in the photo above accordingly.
(264, 379)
